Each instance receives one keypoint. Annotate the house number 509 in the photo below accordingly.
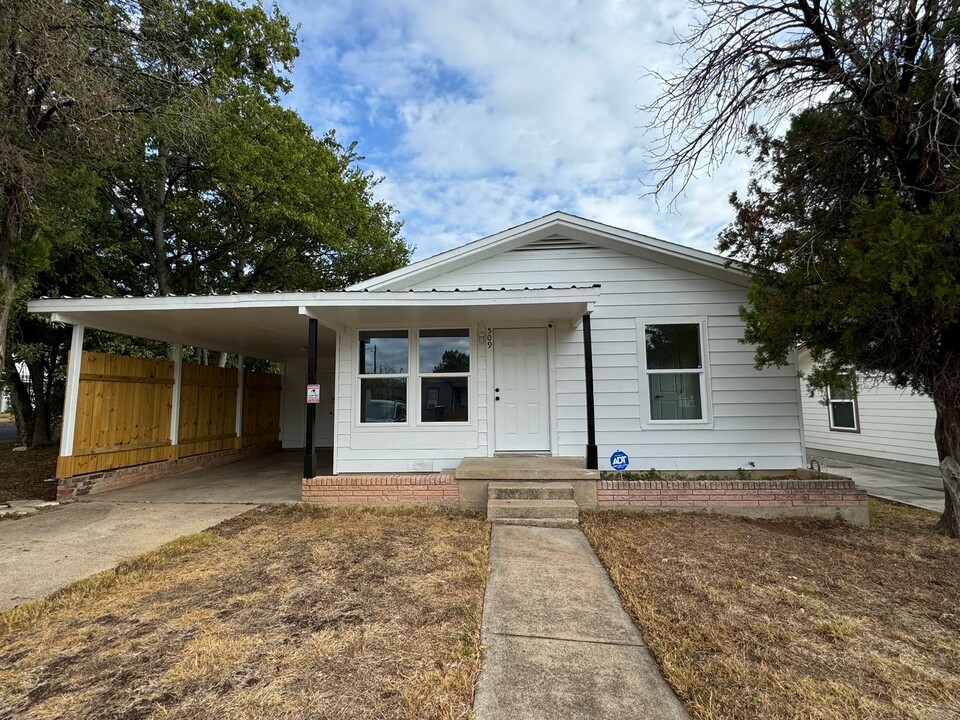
(489, 338)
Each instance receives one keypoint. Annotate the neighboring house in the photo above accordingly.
(871, 422)
(481, 350)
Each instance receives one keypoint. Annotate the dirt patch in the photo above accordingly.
(284, 613)
(794, 618)
(22, 474)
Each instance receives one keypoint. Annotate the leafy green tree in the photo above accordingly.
(453, 360)
(230, 51)
(851, 225)
(280, 209)
(74, 76)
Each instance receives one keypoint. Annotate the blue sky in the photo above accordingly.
(481, 115)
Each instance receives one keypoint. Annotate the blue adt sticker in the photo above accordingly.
(619, 461)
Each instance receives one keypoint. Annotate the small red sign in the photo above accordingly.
(313, 394)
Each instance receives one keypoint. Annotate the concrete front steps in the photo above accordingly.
(542, 504)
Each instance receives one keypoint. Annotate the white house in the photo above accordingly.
(485, 349)
(871, 422)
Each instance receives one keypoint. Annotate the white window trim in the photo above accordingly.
(413, 379)
(853, 403)
(706, 396)
(468, 375)
(360, 377)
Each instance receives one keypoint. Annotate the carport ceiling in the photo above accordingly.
(274, 326)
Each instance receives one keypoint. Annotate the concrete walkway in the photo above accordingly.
(42, 553)
(557, 642)
(917, 489)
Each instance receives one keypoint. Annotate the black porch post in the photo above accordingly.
(309, 453)
(592, 463)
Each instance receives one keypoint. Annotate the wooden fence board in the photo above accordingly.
(124, 406)
(261, 407)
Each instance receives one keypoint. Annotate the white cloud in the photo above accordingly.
(482, 115)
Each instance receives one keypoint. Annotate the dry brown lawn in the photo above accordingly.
(794, 618)
(281, 613)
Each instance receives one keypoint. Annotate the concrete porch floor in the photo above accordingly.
(524, 467)
(267, 479)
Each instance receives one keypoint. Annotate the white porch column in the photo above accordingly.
(239, 421)
(175, 407)
(69, 425)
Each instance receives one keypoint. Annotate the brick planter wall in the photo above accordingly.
(753, 498)
(98, 482)
(380, 489)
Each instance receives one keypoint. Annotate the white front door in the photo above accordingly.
(521, 398)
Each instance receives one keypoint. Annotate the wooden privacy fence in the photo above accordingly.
(125, 404)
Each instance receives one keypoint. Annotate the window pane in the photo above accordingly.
(384, 400)
(673, 347)
(843, 388)
(443, 399)
(842, 414)
(444, 351)
(383, 352)
(675, 396)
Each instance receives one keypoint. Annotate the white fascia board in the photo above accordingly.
(49, 306)
(398, 307)
(63, 307)
(67, 309)
(558, 222)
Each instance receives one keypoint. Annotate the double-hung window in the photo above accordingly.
(842, 400)
(675, 378)
(384, 368)
(444, 368)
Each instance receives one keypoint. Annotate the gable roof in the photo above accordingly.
(560, 229)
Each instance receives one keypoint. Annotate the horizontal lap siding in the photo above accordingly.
(894, 425)
(409, 448)
(756, 414)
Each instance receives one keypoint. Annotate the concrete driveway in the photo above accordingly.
(268, 479)
(917, 489)
(42, 553)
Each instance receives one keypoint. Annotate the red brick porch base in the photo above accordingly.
(98, 482)
(380, 488)
(756, 498)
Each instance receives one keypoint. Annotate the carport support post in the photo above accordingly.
(69, 424)
(176, 350)
(592, 462)
(239, 419)
(309, 453)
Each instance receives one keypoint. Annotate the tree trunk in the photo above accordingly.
(158, 221)
(14, 200)
(40, 437)
(20, 396)
(222, 361)
(946, 400)
(951, 487)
